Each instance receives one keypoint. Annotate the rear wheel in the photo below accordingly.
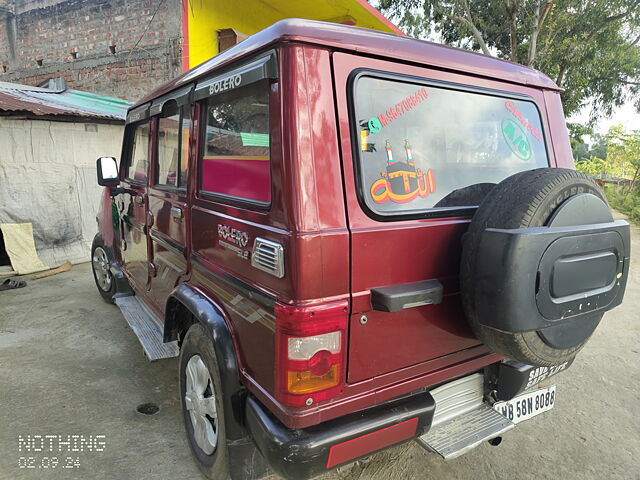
(528, 199)
(101, 258)
(202, 409)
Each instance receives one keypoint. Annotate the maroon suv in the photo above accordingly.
(354, 239)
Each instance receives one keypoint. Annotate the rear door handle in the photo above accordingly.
(176, 212)
(407, 295)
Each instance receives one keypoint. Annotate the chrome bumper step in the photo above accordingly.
(147, 330)
(462, 420)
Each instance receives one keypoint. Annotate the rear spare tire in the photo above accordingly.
(505, 302)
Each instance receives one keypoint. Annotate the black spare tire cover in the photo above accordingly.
(535, 198)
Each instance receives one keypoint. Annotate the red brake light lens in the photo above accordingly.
(311, 352)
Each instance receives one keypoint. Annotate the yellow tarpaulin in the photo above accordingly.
(19, 244)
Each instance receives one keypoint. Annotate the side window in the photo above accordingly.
(139, 160)
(236, 158)
(185, 135)
(173, 148)
(168, 148)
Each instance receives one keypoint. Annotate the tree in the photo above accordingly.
(591, 48)
(623, 153)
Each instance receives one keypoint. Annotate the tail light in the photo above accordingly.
(310, 352)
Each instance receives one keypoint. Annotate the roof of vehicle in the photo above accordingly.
(368, 42)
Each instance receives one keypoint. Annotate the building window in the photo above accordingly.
(236, 158)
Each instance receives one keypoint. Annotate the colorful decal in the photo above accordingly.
(374, 125)
(254, 139)
(516, 138)
(518, 114)
(382, 120)
(363, 140)
(402, 182)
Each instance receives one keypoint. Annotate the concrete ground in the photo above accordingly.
(69, 365)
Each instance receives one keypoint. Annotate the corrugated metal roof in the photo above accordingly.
(43, 101)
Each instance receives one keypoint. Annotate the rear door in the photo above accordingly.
(168, 213)
(420, 149)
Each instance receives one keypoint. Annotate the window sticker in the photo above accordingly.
(516, 139)
(399, 109)
(402, 182)
(254, 139)
(374, 125)
(363, 140)
(526, 124)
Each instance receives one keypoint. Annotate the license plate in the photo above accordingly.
(528, 405)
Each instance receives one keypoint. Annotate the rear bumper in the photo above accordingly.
(304, 453)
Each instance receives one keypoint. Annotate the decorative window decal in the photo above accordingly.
(395, 112)
(402, 182)
(526, 124)
(516, 139)
(374, 125)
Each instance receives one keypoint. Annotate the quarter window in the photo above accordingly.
(185, 135)
(236, 158)
(139, 160)
(173, 148)
(423, 147)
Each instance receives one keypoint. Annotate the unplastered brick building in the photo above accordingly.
(121, 48)
(126, 48)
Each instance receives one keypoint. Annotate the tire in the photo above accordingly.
(526, 199)
(100, 253)
(197, 346)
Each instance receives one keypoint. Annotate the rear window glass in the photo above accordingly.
(425, 147)
(236, 158)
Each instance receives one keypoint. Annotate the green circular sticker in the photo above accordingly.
(516, 138)
(374, 125)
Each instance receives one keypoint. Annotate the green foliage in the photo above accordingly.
(624, 201)
(594, 167)
(614, 155)
(588, 47)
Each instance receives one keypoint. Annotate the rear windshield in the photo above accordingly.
(424, 147)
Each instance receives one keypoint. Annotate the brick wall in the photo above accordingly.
(47, 33)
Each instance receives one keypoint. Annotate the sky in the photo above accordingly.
(625, 115)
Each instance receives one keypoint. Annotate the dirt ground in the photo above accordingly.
(69, 365)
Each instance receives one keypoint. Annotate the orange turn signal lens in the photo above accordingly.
(306, 382)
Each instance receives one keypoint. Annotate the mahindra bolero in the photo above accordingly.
(353, 239)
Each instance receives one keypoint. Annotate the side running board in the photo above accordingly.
(146, 328)
(462, 420)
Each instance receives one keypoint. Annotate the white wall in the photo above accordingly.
(48, 178)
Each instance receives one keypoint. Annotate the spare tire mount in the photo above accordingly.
(536, 292)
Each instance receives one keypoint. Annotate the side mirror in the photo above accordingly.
(107, 172)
